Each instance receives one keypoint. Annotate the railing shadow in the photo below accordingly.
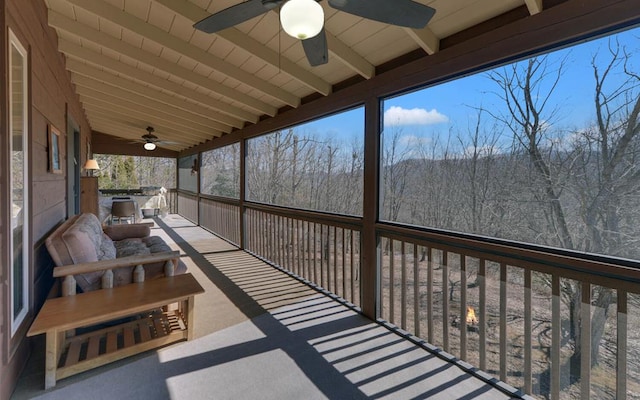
(341, 352)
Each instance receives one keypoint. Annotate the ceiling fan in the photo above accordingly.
(304, 19)
(150, 139)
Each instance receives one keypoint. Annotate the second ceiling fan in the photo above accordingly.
(304, 19)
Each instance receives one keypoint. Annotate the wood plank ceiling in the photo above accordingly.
(139, 63)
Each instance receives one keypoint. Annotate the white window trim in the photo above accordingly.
(18, 319)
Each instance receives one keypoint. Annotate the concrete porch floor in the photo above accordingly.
(261, 334)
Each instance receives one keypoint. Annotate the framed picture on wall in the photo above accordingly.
(54, 150)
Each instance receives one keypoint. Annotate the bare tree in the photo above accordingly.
(603, 157)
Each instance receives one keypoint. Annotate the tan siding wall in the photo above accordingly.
(51, 94)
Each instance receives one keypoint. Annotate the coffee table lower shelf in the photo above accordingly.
(83, 352)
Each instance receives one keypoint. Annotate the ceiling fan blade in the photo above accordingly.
(234, 15)
(316, 49)
(405, 13)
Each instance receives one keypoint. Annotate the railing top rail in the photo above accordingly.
(220, 199)
(601, 270)
(311, 216)
(187, 193)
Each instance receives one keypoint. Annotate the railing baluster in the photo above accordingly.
(621, 349)
(300, 248)
(585, 341)
(391, 280)
(335, 260)
(322, 255)
(353, 268)
(528, 331)
(253, 232)
(503, 322)
(555, 337)
(344, 269)
(430, 315)
(307, 263)
(272, 238)
(445, 300)
(279, 242)
(294, 247)
(328, 257)
(482, 346)
(268, 239)
(289, 245)
(313, 249)
(463, 307)
(315, 254)
(416, 292)
(263, 233)
(403, 286)
(259, 232)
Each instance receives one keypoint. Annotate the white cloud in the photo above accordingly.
(415, 116)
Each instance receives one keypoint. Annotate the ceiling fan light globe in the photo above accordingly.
(149, 146)
(302, 19)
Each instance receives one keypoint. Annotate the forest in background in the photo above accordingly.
(133, 172)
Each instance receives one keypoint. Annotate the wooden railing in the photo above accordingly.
(538, 312)
(222, 217)
(552, 325)
(188, 205)
(323, 249)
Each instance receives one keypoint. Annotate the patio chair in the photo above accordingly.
(123, 211)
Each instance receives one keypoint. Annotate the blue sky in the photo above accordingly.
(435, 110)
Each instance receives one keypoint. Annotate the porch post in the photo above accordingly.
(243, 192)
(199, 176)
(369, 239)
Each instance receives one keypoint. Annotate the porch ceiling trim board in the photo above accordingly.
(234, 36)
(84, 32)
(119, 103)
(81, 54)
(159, 36)
(94, 85)
(563, 23)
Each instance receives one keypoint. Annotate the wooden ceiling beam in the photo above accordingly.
(92, 84)
(178, 119)
(88, 72)
(84, 32)
(425, 38)
(109, 108)
(349, 57)
(80, 53)
(234, 36)
(138, 126)
(534, 6)
(159, 36)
